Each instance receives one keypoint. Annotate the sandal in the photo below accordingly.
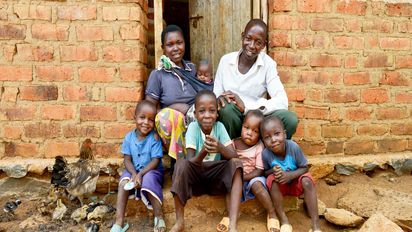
(159, 225)
(117, 228)
(273, 224)
(286, 228)
(224, 223)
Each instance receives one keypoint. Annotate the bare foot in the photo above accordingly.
(178, 227)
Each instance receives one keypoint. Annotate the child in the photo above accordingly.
(204, 71)
(142, 149)
(211, 166)
(287, 171)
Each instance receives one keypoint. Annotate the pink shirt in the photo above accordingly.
(251, 157)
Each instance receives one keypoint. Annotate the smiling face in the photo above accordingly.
(274, 136)
(250, 130)
(206, 112)
(145, 118)
(253, 41)
(174, 47)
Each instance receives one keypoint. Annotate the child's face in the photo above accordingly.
(204, 73)
(206, 112)
(250, 130)
(274, 137)
(145, 119)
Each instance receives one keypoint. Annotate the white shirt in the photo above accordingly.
(252, 87)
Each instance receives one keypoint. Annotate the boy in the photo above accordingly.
(204, 71)
(287, 171)
(211, 166)
(142, 150)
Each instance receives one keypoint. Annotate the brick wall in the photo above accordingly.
(69, 70)
(347, 68)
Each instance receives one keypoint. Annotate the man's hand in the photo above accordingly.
(231, 97)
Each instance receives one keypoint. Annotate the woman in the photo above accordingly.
(173, 86)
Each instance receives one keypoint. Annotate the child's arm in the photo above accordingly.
(128, 164)
(196, 159)
(212, 145)
(151, 166)
(285, 177)
(255, 173)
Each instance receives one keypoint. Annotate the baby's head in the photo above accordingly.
(251, 127)
(144, 116)
(206, 110)
(273, 134)
(204, 71)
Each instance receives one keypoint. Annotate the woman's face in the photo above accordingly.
(174, 47)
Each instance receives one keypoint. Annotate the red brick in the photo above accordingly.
(133, 73)
(16, 73)
(399, 9)
(351, 7)
(358, 114)
(395, 43)
(27, 52)
(401, 129)
(124, 53)
(333, 147)
(288, 59)
(33, 12)
(97, 74)
(326, 24)
(76, 12)
(280, 39)
(351, 61)
(75, 131)
(391, 145)
(378, 25)
(3, 12)
(393, 78)
(284, 75)
(107, 150)
(78, 53)
(56, 148)
(19, 113)
(13, 132)
(50, 32)
(97, 113)
(287, 22)
(335, 115)
(337, 131)
(358, 78)
(312, 112)
(8, 52)
(300, 131)
(348, 42)
(57, 112)
(359, 147)
(312, 147)
(325, 60)
(54, 73)
(373, 129)
(374, 96)
(401, 62)
(117, 131)
(341, 96)
(389, 113)
(39, 93)
(405, 27)
(320, 41)
(353, 25)
(9, 94)
(133, 31)
(296, 94)
(372, 42)
(121, 13)
(42, 130)
(313, 131)
(94, 33)
(376, 60)
(314, 6)
(12, 31)
(76, 93)
(27, 150)
(280, 5)
(378, 8)
(403, 97)
(313, 77)
(129, 112)
(119, 94)
(314, 95)
(304, 41)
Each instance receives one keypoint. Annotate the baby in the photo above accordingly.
(205, 72)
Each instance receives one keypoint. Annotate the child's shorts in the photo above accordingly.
(247, 187)
(152, 183)
(294, 188)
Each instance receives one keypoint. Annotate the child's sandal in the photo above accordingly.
(117, 228)
(286, 228)
(272, 224)
(223, 225)
(314, 230)
(159, 225)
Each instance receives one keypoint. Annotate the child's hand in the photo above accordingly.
(281, 176)
(137, 179)
(211, 144)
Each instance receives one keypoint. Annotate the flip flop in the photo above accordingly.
(117, 228)
(272, 223)
(286, 228)
(158, 224)
(314, 230)
(224, 222)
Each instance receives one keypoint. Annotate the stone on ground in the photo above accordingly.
(342, 217)
(378, 222)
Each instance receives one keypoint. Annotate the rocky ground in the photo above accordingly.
(361, 194)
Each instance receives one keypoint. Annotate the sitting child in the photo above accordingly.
(142, 149)
(287, 171)
(205, 72)
(211, 166)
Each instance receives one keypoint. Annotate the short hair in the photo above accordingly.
(257, 22)
(168, 29)
(142, 103)
(256, 113)
(271, 118)
(204, 92)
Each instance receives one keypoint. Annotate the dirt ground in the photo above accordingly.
(33, 190)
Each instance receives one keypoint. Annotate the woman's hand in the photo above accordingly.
(231, 97)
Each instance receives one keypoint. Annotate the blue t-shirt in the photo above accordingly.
(142, 151)
(195, 138)
(293, 160)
